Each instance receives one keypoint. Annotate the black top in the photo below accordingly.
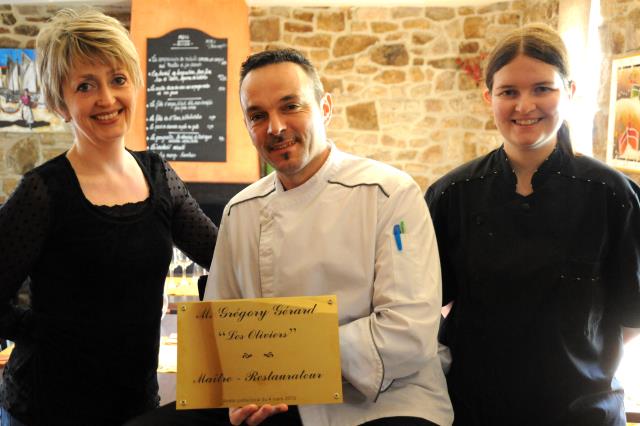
(542, 285)
(87, 350)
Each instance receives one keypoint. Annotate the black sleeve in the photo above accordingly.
(24, 221)
(439, 217)
(193, 232)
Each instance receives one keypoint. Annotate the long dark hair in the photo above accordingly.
(536, 41)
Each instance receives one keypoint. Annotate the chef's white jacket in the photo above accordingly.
(334, 235)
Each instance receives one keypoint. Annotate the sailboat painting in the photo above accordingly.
(22, 107)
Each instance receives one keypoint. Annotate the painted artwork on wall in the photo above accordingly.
(623, 139)
(22, 106)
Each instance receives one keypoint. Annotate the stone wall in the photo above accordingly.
(619, 35)
(399, 94)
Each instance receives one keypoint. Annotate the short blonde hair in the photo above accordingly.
(81, 34)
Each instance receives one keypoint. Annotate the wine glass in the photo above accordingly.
(165, 304)
(198, 271)
(183, 261)
(170, 282)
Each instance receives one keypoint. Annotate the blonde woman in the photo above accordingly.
(93, 228)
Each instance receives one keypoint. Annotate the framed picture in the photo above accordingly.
(22, 108)
(623, 136)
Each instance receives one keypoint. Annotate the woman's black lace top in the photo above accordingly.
(86, 350)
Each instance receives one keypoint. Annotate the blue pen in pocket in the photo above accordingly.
(396, 233)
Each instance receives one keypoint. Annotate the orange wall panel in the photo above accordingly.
(220, 19)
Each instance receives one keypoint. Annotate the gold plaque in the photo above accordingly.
(258, 351)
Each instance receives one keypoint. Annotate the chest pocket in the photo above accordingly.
(581, 297)
(407, 265)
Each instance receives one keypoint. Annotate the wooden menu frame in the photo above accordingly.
(227, 19)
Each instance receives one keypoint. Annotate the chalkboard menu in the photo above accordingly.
(187, 96)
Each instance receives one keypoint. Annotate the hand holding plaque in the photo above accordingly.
(254, 415)
(258, 351)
